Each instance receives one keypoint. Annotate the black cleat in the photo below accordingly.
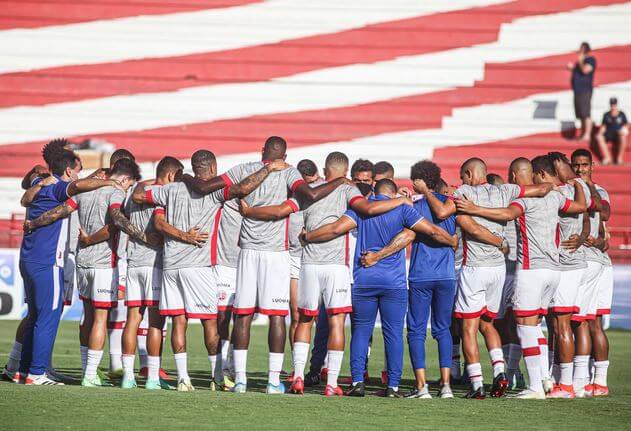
(312, 379)
(500, 385)
(391, 393)
(476, 394)
(358, 390)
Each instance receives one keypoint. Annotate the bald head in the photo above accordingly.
(520, 172)
(275, 148)
(336, 165)
(473, 172)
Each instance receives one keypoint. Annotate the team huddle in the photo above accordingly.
(268, 238)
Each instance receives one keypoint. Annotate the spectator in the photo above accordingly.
(613, 129)
(582, 86)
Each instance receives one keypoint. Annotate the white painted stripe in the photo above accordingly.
(203, 31)
(56, 288)
(323, 89)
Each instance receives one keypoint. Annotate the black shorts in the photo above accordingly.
(612, 135)
(583, 105)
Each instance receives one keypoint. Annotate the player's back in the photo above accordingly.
(139, 253)
(476, 253)
(227, 240)
(572, 224)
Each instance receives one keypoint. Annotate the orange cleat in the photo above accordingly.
(163, 374)
(595, 390)
(290, 378)
(331, 391)
(298, 386)
(562, 391)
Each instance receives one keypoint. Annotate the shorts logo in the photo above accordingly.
(280, 301)
(203, 306)
(108, 291)
(341, 290)
(224, 285)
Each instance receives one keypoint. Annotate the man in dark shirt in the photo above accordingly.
(582, 85)
(613, 129)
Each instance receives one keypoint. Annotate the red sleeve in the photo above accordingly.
(518, 205)
(355, 199)
(566, 205)
(522, 192)
(149, 196)
(226, 193)
(72, 204)
(292, 205)
(592, 204)
(296, 184)
(159, 211)
(115, 205)
(226, 179)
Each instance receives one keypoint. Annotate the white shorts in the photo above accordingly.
(588, 293)
(144, 284)
(534, 290)
(262, 283)
(99, 286)
(118, 316)
(605, 291)
(479, 291)
(326, 284)
(189, 291)
(565, 299)
(121, 265)
(507, 290)
(70, 278)
(294, 267)
(226, 281)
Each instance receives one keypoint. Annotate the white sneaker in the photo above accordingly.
(184, 386)
(41, 380)
(529, 394)
(547, 385)
(445, 392)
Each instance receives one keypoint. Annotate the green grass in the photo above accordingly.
(74, 407)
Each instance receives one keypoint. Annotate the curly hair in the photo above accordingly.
(427, 171)
(54, 149)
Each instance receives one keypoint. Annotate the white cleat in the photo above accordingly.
(185, 386)
(548, 385)
(445, 392)
(529, 394)
(42, 380)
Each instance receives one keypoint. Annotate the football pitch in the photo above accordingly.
(74, 407)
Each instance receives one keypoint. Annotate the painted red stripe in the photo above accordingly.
(41, 13)
(368, 44)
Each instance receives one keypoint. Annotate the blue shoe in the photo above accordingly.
(158, 384)
(239, 388)
(272, 389)
(128, 383)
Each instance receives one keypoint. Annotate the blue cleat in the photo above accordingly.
(273, 389)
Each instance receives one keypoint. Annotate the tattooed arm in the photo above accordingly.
(398, 243)
(120, 221)
(49, 217)
(251, 182)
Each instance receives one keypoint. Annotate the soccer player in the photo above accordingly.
(538, 272)
(381, 287)
(189, 289)
(324, 272)
(42, 257)
(483, 270)
(363, 171)
(383, 170)
(598, 291)
(144, 283)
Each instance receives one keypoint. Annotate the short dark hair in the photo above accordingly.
(362, 165)
(543, 164)
(66, 159)
(307, 168)
(365, 189)
(585, 47)
(557, 156)
(442, 187)
(383, 167)
(385, 184)
(167, 165)
(54, 149)
(202, 159)
(336, 158)
(427, 171)
(119, 154)
(126, 167)
(275, 148)
(582, 152)
(494, 179)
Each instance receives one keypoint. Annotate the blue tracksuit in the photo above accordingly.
(382, 288)
(432, 285)
(42, 257)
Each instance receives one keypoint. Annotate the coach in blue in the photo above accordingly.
(42, 258)
(381, 287)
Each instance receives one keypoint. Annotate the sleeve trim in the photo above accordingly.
(159, 211)
(566, 205)
(420, 219)
(522, 192)
(72, 203)
(518, 205)
(115, 205)
(149, 196)
(226, 193)
(350, 218)
(296, 184)
(355, 199)
(292, 205)
(226, 179)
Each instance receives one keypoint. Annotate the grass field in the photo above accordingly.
(74, 407)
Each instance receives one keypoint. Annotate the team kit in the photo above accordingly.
(490, 257)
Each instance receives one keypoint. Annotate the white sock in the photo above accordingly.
(335, 365)
(566, 371)
(181, 365)
(325, 365)
(128, 366)
(13, 364)
(497, 360)
(600, 374)
(529, 336)
(115, 348)
(456, 366)
(543, 347)
(581, 371)
(216, 372)
(275, 365)
(225, 355)
(142, 350)
(301, 350)
(84, 357)
(153, 368)
(514, 356)
(555, 374)
(474, 371)
(240, 365)
(92, 364)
